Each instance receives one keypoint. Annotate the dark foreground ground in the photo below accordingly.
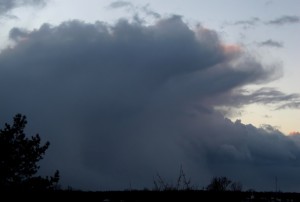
(141, 196)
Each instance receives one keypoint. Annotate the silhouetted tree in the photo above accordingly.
(183, 183)
(18, 159)
(236, 186)
(219, 184)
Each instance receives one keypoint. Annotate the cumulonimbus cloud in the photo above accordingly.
(121, 102)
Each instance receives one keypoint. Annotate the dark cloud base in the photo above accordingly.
(121, 102)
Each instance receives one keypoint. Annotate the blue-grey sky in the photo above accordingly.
(126, 89)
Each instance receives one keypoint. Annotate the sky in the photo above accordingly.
(124, 90)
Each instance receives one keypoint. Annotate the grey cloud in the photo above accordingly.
(120, 4)
(286, 19)
(17, 34)
(8, 5)
(271, 43)
(121, 102)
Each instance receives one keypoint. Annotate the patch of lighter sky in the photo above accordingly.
(284, 120)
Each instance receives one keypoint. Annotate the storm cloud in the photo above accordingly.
(121, 102)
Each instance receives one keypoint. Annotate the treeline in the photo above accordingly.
(19, 155)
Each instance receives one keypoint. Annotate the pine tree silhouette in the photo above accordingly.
(18, 159)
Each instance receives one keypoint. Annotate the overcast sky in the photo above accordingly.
(127, 89)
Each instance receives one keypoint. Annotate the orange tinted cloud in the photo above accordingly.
(231, 49)
(294, 133)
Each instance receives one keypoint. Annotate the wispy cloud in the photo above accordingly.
(286, 19)
(8, 5)
(245, 24)
(148, 11)
(290, 105)
(120, 4)
(138, 12)
(271, 43)
(283, 20)
(274, 96)
(275, 99)
(250, 22)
